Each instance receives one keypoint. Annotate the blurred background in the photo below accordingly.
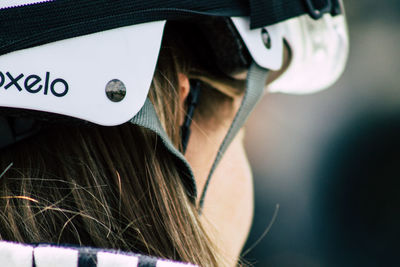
(331, 160)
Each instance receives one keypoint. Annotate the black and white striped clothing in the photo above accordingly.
(23, 255)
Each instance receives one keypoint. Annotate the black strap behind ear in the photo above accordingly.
(191, 102)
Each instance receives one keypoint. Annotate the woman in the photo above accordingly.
(127, 187)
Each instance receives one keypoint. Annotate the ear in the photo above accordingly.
(184, 88)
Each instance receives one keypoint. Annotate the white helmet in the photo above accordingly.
(64, 62)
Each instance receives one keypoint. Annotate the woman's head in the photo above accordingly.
(119, 187)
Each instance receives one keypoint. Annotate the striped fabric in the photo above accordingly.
(22, 255)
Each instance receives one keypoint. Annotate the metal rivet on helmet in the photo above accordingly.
(115, 90)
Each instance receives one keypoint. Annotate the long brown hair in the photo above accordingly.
(109, 187)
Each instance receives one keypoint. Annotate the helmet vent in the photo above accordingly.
(266, 38)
